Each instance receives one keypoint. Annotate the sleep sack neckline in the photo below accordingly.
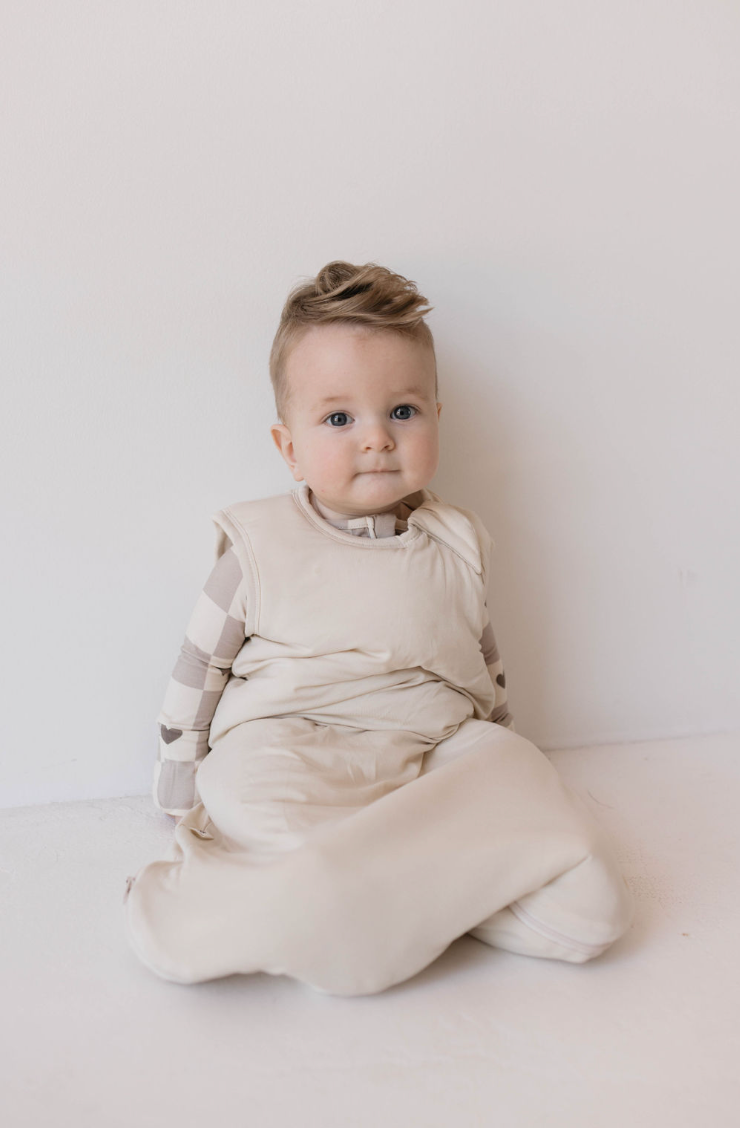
(400, 540)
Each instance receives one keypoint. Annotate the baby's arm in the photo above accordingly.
(214, 636)
(500, 714)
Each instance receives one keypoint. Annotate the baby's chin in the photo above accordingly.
(387, 481)
(387, 487)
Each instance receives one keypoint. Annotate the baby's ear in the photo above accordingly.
(280, 434)
(284, 442)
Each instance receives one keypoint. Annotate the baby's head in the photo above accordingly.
(354, 374)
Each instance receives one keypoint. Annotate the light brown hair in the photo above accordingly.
(367, 295)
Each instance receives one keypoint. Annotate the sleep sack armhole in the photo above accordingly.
(486, 544)
(230, 534)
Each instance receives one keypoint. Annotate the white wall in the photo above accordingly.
(561, 180)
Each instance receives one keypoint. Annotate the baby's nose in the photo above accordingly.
(376, 436)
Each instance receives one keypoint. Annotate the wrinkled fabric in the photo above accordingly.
(351, 898)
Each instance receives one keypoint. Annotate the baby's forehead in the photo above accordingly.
(337, 361)
(354, 340)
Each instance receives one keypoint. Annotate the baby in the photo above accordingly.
(335, 738)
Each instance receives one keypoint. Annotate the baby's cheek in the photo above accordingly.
(332, 459)
(426, 449)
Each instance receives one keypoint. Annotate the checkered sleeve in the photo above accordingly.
(213, 638)
(500, 714)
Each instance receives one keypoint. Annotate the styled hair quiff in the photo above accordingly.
(369, 295)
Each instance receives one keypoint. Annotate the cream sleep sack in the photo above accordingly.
(357, 810)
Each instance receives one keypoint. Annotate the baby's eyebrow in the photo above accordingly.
(345, 398)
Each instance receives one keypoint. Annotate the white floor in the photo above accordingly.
(645, 1035)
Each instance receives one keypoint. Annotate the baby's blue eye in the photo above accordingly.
(343, 414)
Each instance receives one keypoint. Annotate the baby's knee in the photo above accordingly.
(602, 921)
(585, 909)
(608, 903)
(596, 891)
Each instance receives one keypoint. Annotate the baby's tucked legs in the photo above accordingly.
(486, 839)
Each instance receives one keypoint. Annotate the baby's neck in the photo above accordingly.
(400, 509)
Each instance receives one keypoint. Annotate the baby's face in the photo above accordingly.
(363, 429)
